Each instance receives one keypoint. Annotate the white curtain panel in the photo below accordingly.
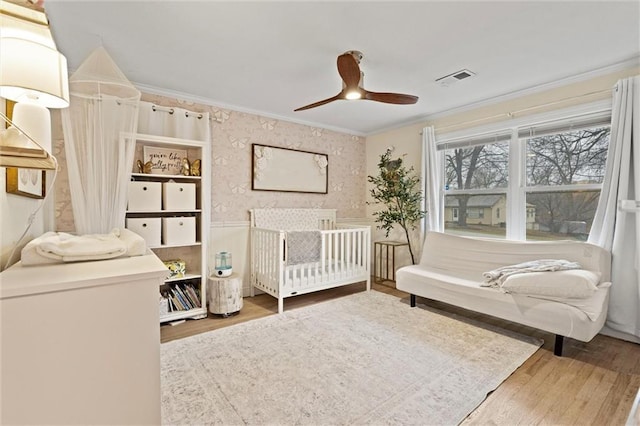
(432, 181)
(173, 122)
(614, 229)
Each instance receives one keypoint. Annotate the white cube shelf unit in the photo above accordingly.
(177, 207)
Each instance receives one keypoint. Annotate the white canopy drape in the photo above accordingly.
(103, 108)
(617, 228)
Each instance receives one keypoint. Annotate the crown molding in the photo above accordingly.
(609, 69)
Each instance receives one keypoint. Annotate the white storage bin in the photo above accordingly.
(178, 230)
(144, 196)
(148, 228)
(178, 196)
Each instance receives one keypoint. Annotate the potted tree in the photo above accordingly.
(395, 187)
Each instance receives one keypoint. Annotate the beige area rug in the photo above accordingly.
(367, 358)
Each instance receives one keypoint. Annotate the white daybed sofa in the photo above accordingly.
(451, 270)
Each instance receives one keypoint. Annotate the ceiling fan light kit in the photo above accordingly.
(352, 95)
(353, 82)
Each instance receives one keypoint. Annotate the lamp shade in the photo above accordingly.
(33, 72)
(34, 75)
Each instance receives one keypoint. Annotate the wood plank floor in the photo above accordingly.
(594, 383)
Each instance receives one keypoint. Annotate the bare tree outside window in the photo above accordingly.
(572, 157)
(575, 157)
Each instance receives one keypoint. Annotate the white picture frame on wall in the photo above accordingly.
(26, 182)
(289, 170)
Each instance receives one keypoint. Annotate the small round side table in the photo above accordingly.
(224, 294)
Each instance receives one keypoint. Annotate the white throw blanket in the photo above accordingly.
(496, 277)
(56, 247)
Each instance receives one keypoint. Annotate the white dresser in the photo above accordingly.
(80, 342)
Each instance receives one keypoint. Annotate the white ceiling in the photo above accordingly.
(271, 57)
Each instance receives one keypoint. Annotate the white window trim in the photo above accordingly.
(563, 188)
(516, 196)
(530, 120)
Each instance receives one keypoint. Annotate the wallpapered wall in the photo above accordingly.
(231, 194)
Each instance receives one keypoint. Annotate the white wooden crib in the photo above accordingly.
(343, 252)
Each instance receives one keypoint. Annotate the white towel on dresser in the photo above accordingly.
(57, 247)
(70, 248)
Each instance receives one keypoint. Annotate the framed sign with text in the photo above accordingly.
(164, 161)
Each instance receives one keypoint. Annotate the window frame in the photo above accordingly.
(516, 191)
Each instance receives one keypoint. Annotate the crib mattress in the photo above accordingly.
(311, 274)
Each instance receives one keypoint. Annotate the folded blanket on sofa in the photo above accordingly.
(303, 247)
(496, 277)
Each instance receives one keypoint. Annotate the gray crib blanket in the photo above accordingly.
(303, 247)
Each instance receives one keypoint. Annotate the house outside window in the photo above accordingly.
(476, 179)
(559, 166)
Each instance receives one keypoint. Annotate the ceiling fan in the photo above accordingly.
(352, 82)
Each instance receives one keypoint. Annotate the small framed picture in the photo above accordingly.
(26, 182)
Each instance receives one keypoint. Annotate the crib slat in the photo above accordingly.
(336, 255)
(348, 247)
(342, 258)
(329, 255)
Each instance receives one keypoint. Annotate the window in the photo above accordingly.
(537, 182)
(564, 175)
(476, 182)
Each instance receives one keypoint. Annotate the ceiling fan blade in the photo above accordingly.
(322, 102)
(349, 70)
(391, 98)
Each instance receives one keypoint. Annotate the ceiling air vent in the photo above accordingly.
(457, 76)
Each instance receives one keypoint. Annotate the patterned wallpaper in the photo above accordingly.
(231, 194)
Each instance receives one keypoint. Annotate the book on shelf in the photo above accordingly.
(194, 296)
(172, 306)
(177, 301)
(183, 299)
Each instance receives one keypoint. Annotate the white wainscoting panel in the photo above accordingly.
(232, 237)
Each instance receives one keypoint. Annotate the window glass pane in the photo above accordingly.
(560, 215)
(477, 167)
(571, 157)
(475, 215)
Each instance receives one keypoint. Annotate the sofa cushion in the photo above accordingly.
(574, 283)
(471, 256)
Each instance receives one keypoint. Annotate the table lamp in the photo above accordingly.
(34, 75)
